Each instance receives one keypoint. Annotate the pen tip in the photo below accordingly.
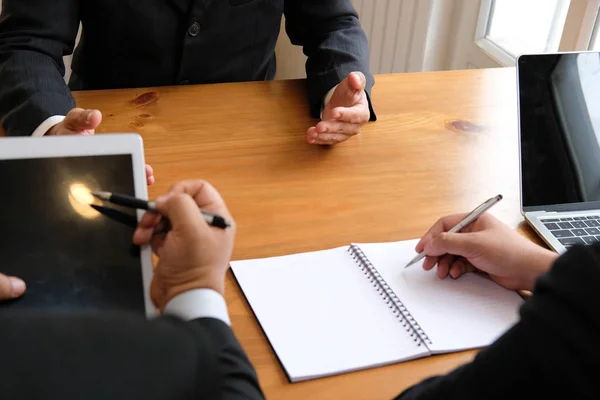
(500, 197)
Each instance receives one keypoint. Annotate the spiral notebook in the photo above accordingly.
(355, 307)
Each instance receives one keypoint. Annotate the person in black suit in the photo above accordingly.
(552, 352)
(190, 352)
(132, 43)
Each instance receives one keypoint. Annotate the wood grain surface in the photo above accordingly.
(444, 142)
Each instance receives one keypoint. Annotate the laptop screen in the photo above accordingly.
(559, 112)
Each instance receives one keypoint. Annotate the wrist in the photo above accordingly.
(214, 283)
(48, 125)
(538, 263)
(53, 131)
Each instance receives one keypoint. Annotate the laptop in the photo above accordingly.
(559, 132)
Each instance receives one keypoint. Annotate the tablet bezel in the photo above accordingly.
(13, 148)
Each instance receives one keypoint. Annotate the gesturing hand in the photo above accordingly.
(487, 245)
(11, 287)
(84, 122)
(344, 115)
(192, 255)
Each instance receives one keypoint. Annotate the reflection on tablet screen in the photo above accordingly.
(71, 256)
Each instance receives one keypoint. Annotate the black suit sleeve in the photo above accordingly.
(551, 353)
(122, 357)
(34, 36)
(334, 43)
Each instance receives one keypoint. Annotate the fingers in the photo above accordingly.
(347, 94)
(145, 230)
(460, 267)
(314, 137)
(149, 175)
(453, 266)
(458, 244)
(331, 138)
(444, 265)
(158, 240)
(181, 205)
(331, 132)
(358, 114)
(442, 225)
(357, 80)
(181, 210)
(83, 121)
(205, 195)
(334, 126)
(11, 287)
(429, 263)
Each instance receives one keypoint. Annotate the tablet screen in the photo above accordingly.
(71, 255)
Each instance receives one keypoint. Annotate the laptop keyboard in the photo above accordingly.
(574, 230)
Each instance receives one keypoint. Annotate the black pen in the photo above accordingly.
(132, 202)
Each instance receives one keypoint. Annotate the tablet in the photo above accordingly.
(73, 256)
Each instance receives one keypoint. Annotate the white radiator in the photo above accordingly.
(390, 26)
(393, 27)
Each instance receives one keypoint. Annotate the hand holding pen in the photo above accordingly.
(486, 245)
(467, 220)
(193, 255)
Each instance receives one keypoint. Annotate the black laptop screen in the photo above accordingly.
(559, 111)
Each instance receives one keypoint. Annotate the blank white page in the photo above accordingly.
(321, 315)
(469, 312)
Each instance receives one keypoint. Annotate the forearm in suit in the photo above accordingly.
(104, 356)
(551, 353)
(237, 375)
(34, 36)
(334, 43)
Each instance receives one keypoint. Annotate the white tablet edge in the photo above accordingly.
(12, 148)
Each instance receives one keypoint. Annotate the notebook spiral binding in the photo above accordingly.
(387, 294)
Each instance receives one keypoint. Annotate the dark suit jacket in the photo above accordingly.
(552, 353)
(140, 43)
(121, 357)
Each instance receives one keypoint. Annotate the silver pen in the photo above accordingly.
(473, 215)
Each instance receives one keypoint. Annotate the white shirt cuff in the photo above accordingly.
(198, 303)
(45, 126)
(327, 98)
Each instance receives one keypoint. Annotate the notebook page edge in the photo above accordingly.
(292, 371)
(411, 357)
(443, 347)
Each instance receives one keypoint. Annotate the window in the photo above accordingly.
(527, 26)
(595, 45)
(509, 28)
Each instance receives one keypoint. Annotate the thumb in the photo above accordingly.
(357, 81)
(79, 119)
(11, 287)
(181, 210)
(458, 244)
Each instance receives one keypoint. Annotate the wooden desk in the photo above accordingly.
(444, 142)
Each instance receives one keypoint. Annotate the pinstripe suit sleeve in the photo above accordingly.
(34, 36)
(334, 42)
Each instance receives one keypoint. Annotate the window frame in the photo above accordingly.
(582, 26)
